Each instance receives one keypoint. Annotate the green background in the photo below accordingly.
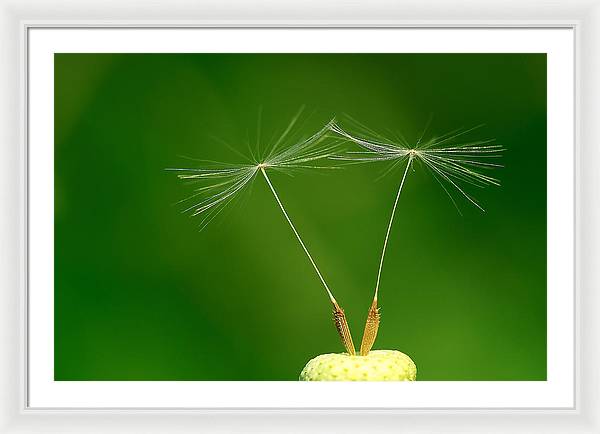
(142, 294)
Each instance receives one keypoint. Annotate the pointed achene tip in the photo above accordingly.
(371, 328)
(341, 325)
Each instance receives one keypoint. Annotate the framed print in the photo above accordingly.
(348, 220)
(501, 354)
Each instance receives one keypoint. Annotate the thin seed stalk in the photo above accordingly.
(341, 324)
(374, 317)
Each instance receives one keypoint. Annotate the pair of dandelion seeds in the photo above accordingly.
(455, 164)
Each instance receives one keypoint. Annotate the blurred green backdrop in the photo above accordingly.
(141, 294)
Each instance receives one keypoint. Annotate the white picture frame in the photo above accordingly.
(556, 392)
(18, 416)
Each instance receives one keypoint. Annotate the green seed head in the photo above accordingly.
(378, 365)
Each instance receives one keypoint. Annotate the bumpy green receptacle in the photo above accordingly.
(378, 365)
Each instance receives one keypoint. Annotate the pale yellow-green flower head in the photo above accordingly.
(378, 365)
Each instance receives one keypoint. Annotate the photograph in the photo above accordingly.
(300, 217)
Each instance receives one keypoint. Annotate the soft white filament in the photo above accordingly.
(222, 183)
(451, 164)
(389, 228)
(287, 217)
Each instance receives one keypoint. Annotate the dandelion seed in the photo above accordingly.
(451, 162)
(221, 183)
